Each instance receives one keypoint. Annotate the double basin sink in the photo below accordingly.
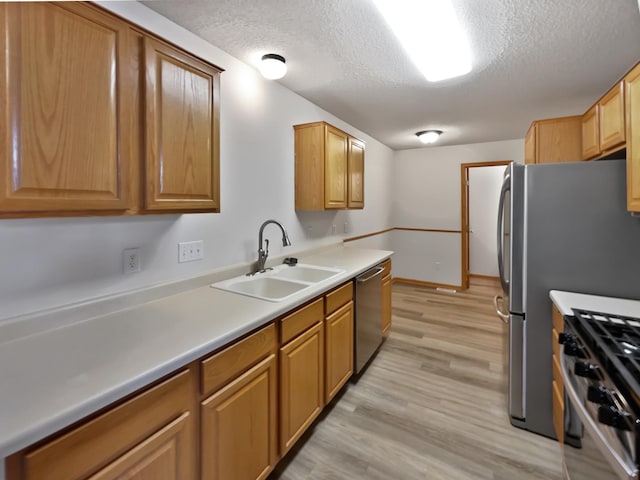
(279, 283)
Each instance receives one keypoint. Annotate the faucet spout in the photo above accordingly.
(264, 253)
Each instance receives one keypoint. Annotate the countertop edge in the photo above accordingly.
(565, 301)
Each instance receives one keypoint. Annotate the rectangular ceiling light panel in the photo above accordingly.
(430, 33)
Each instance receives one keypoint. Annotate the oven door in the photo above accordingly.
(602, 455)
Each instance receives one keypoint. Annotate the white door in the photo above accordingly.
(484, 195)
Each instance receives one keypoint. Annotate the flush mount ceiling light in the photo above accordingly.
(429, 136)
(273, 66)
(430, 33)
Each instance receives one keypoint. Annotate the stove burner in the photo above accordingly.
(615, 341)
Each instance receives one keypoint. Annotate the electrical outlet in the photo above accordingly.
(333, 228)
(190, 251)
(131, 260)
(346, 227)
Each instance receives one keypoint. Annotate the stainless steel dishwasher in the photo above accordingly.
(368, 315)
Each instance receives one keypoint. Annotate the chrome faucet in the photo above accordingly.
(264, 253)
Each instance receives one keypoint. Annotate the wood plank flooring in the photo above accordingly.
(431, 405)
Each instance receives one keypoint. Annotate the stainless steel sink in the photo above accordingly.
(279, 283)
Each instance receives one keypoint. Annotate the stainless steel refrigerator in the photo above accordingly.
(560, 227)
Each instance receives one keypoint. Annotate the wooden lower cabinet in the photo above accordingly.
(239, 426)
(557, 384)
(228, 416)
(151, 436)
(339, 349)
(558, 412)
(301, 384)
(158, 457)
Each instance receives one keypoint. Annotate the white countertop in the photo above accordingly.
(565, 301)
(53, 378)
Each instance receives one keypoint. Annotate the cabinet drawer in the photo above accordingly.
(218, 369)
(102, 440)
(339, 297)
(558, 320)
(554, 342)
(302, 319)
(387, 267)
(557, 376)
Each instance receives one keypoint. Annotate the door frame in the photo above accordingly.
(464, 217)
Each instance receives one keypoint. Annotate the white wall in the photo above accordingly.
(49, 262)
(426, 194)
(484, 195)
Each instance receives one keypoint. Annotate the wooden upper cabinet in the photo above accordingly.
(182, 130)
(335, 182)
(611, 118)
(603, 126)
(356, 173)
(590, 134)
(553, 140)
(530, 145)
(329, 168)
(64, 84)
(632, 98)
(101, 118)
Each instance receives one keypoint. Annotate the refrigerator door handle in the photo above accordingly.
(497, 302)
(506, 186)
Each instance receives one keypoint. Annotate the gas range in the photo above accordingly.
(601, 373)
(614, 340)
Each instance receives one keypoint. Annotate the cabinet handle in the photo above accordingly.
(378, 271)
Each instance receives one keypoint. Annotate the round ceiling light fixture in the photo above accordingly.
(429, 136)
(273, 66)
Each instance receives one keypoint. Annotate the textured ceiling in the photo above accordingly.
(532, 59)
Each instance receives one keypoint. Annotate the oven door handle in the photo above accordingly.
(621, 468)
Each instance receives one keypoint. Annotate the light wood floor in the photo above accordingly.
(431, 405)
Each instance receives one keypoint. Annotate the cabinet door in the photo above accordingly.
(356, 173)
(301, 384)
(590, 134)
(182, 130)
(558, 140)
(611, 121)
(386, 304)
(64, 85)
(339, 349)
(530, 145)
(335, 170)
(239, 426)
(160, 457)
(632, 95)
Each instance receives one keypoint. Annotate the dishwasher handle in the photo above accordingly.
(365, 277)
